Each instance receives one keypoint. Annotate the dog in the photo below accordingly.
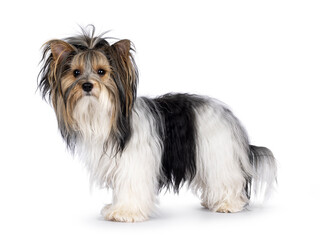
(138, 146)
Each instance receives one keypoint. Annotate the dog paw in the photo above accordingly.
(104, 210)
(205, 205)
(227, 208)
(118, 214)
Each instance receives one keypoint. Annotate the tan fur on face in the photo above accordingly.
(88, 63)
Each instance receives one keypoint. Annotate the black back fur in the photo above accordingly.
(176, 115)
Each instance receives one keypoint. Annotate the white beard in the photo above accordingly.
(92, 116)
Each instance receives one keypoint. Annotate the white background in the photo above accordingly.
(260, 57)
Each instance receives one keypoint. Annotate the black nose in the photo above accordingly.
(87, 87)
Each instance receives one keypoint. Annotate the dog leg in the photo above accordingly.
(131, 203)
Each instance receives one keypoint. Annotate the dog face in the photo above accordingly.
(84, 74)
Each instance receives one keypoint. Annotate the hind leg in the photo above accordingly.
(222, 159)
(220, 178)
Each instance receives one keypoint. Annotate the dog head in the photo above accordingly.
(86, 76)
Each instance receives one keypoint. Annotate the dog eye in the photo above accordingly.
(76, 73)
(101, 72)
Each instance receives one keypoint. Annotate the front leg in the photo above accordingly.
(134, 188)
(135, 176)
(130, 204)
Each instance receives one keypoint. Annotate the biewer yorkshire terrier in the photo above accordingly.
(137, 145)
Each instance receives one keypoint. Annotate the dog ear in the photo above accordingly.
(60, 49)
(123, 47)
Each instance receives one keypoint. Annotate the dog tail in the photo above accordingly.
(264, 179)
